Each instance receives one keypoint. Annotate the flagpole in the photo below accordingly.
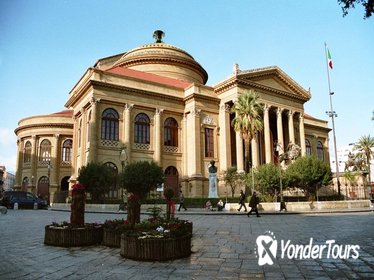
(332, 115)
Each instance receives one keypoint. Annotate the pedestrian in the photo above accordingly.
(181, 202)
(253, 204)
(208, 205)
(220, 205)
(242, 201)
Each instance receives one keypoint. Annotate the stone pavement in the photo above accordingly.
(224, 247)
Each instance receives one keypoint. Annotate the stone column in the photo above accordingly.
(193, 142)
(55, 160)
(157, 152)
(224, 139)
(268, 145)
(34, 157)
(254, 145)
(290, 127)
(302, 134)
(280, 130)
(84, 137)
(75, 162)
(94, 137)
(185, 148)
(127, 130)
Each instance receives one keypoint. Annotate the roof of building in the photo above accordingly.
(68, 113)
(148, 77)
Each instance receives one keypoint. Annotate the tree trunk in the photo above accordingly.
(77, 207)
(246, 155)
(133, 213)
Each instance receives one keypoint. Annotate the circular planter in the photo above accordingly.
(70, 237)
(111, 238)
(155, 249)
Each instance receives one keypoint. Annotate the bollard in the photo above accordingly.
(35, 205)
(15, 206)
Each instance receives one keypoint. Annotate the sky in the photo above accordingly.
(46, 46)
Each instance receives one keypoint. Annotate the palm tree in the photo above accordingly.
(248, 119)
(366, 145)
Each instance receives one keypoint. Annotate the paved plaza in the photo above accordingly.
(224, 247)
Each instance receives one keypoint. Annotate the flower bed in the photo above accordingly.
(66, 235)
(111, 238)
(112, 230)
(155, 249)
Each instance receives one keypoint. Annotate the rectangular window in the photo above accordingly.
(209, 142)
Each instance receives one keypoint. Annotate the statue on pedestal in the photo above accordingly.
(212, 180)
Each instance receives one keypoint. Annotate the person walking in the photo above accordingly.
(242, 201)
(181, 202)
(253, 204)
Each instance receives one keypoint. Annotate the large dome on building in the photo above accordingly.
(165, 60)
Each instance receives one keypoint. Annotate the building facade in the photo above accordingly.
(8, 179)
(153, 103)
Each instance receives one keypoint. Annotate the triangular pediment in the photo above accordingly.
(274, 79)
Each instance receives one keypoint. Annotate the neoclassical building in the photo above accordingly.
(153, 103)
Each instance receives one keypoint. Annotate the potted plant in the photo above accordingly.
(112, 230)
(77, 232)
(96, 179)
(157, 239)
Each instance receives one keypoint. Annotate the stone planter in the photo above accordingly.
(111, 238)
(155, 249)
(71, 237)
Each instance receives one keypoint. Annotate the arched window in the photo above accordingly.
(141, 131)
(308, 148)
(320, 150)
(171, 132)
(27, 152)
(66, 150)
(25, 184)
(45, 151)
(172, 179)
(209, 142)
(109, 125)
(65, 184)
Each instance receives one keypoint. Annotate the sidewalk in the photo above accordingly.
(202, 211)
(223, 247)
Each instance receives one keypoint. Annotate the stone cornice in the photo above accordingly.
(325, 129)
(80, 87)
(200, 97)
(233, 82)
(135, 92)
(193, 65)
(43, 125)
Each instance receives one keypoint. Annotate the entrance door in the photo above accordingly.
(171, 179)
(43, 188)
(25, 183)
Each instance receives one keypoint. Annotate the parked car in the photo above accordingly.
(24, 200)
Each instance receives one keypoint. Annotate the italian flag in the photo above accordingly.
(329, 60)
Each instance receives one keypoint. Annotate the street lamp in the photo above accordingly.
(123, 158)
(32, 183)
